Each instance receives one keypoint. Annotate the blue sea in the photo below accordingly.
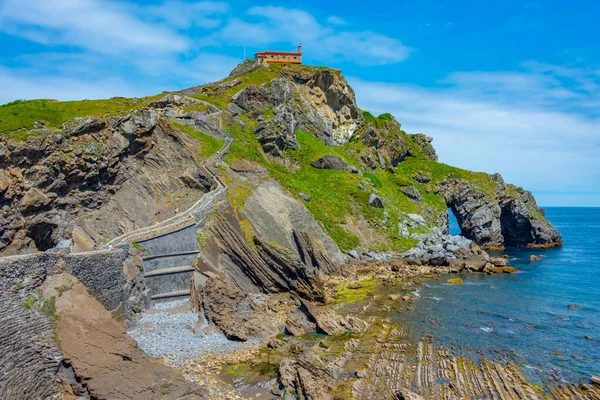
(526, 316)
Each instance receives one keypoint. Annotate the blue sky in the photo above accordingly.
(502, 86)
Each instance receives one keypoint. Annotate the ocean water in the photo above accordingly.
(526, 316)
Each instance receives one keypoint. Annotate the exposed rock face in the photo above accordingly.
(320, 102)
(303, 278)
(507, 215)
(330, 323)
(234, 312)
(389, 141)
(308, 376)
(96, 177)
(330, 162)
(424, 142)
(314, 255)
(272, 269)
(275, 215)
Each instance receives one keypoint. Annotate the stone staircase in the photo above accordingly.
(168, 265)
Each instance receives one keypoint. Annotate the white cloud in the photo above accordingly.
(499, 122)
(106, 27)
(335, 20)
(181, 14)
(122, 50)
(278, 25)
(77, 76)
(18, 85)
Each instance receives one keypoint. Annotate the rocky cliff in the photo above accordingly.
(94, 178)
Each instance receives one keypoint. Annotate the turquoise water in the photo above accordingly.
(527, 315)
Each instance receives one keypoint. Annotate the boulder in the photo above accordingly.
(353, 169)
(418, 219)
(375, 201)
(403, 230)
(455, 281)
(368, 160)
(230, 84)
(305, 197)
(498, 261)
(33, 200)
(5, 180)
(330, 162)
(422, 177)
(437, 249)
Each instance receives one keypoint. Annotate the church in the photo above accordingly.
(294, 57)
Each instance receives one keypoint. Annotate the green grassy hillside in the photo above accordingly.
(339, 198)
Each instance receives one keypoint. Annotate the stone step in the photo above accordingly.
(172, 260)
(180, 240)
(179, 293)
(169, 271)
(167, 283)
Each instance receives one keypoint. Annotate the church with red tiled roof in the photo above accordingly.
(294, 57)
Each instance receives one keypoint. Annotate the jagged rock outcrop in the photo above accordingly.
(388, 141)
(314, 255)
(319, 101)
(97, 177)
(494, 214)
(424, 142)
(271, 268)
(303, 278)
(438, 249)
(411, 192)
(331, 323)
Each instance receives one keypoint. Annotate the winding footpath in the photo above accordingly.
(195, 213)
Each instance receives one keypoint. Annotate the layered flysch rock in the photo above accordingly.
(93, 180)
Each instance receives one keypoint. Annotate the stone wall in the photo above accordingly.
(101, 271)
